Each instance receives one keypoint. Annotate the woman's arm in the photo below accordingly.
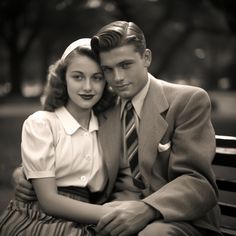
(64, 207)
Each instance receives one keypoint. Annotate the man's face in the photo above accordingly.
(125, 69)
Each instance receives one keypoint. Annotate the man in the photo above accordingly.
(168, 143)
(175, 137)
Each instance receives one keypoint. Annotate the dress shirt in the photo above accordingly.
(137, 102)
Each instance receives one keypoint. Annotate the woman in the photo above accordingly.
(61, 154)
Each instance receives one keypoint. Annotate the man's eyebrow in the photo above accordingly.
(126, 61)
(118, 64)
(105, 66)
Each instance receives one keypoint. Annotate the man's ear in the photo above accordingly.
(147, 57)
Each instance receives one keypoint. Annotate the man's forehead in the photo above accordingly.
(118, 55)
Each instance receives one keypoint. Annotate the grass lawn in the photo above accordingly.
(12, 114)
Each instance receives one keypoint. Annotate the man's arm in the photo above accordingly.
(23, 188)
(191, 190)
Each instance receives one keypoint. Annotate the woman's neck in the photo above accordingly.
(81, 115)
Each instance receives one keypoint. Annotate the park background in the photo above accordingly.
(193, 42)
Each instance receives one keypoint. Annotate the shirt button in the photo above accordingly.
(86, 134)
(83, 178)
(88, 158)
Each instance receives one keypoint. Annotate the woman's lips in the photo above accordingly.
(86, 96)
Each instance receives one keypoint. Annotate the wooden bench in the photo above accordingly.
(224, 165)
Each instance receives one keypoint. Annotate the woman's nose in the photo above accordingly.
(87, 85)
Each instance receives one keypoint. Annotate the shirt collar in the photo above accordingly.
(71, 125)
(137, 100)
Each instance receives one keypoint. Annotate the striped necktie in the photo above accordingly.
(131, 142)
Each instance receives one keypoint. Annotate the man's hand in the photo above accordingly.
(128, 217)
(23, 188)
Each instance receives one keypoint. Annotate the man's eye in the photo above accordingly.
(126, 65)
(106, 70)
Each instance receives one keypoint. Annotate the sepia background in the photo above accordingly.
(193, 42)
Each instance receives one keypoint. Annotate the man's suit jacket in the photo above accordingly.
(176, 149)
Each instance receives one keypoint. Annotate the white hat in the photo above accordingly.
(85, 42)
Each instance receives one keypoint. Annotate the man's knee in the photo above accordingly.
(161, 228)
(153, 228)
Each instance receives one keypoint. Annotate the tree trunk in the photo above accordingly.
(15, 67)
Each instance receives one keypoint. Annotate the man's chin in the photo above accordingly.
(125, 94)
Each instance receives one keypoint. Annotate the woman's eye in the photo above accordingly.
(77, 77)
(98, 77)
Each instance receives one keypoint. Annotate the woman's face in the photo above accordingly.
(85, 82)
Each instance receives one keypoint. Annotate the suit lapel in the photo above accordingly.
(152, 126)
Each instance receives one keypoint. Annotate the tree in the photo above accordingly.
(54, 22)
(21, 21)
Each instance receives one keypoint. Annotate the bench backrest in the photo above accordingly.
(224, 165)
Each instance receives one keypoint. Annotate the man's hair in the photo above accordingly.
(116, 34)
(55, 93)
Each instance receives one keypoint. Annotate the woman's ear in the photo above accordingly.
(147, 57)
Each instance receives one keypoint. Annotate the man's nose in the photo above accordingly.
(118, 75)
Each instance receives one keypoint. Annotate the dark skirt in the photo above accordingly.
(27, 219)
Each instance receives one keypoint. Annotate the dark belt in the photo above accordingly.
(82, 192)
(79, 191)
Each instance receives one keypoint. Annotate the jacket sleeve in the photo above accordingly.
(190, 190)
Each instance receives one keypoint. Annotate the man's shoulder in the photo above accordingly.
(168, 85)
(176, 95)
(174, 90)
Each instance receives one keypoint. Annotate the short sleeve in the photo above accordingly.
(37, 148)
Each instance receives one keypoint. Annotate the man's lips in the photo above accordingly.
(122, 86)
(86, 96)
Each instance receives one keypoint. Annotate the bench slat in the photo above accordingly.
(224, 165)
(224, 159)
(228, 209)
(226, 185)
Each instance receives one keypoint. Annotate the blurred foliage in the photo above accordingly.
(192, 41)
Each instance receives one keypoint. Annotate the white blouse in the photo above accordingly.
(54, 144)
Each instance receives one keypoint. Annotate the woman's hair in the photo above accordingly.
(116, 34)
(55, 93)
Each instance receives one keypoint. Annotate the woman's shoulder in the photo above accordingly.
(41, 117)
(41, 123)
